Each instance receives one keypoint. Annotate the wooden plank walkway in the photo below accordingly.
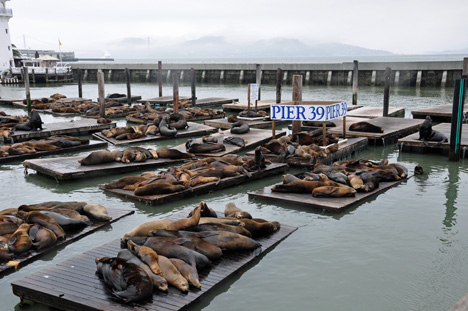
(194, 129)
(68, 168)
(394, 128)
(438, 113)
(329, 204)
(259, 124)
(263, 104)
(255, 137)
(272, 169)
(76, 127)
(74, 285)
(412, 144)
(92, 144)
(33, 254)
(375, 112)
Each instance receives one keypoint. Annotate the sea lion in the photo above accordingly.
(237, 141)
(66, 222)
(187, 271)
(7, 227)
(240, 127)
(19, 241)
(199, 245)
(426, 133)
(126, 281)
(4, 252)
(170, 153)
(418, 170)
(228, 240)
(146, 255)
(158, 188)
(333, 192)
(172, 274)
(177, 121)
(124, 181)
(364, 126)
(259, 227)
(402, 170)
(97, 212)
(41, 237)
(98, 157)
(220, 227)
(232, 118)
(37, 217)
(231, 210)
(193, 147)
(302, 186)
(165, 129)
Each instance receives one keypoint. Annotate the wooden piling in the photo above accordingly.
(193, 79)
(129, 92)
(175, 92)
(33, 75)
(26, 87)
(101, 93)
(386, 102)
(355, 82)
(279, 74)
(457, 119)
(465, 68)
(297, 98)
(160, 78)
(258, 80)
(80, 84)
(47, 75)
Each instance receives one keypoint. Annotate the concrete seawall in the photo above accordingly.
(416, 74)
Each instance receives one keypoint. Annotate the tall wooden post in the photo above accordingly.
(26, 87)
(297, 99)
(160, 78)
(175, 89)
(355, 82)
(465, 67)
(129, 92)
(248, 102)
(258, 80)
(279, 76)
(386, 101)
(101, 94)
(80, 84)
(33, 76)
(47, 75)
(457, 119)
(193, 79)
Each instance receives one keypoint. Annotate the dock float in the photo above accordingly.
(412, 143)
(375, 112)
(39, 154)
(74, 127)
(272, 169)
(259, 124)
(74, 285)
(121, 99)
(263, 104)
(194, 129)
(68, 168)
(33, 254)
(163, 100)
(394, 128)
(328, 204)
(438, 113)
(255, 137)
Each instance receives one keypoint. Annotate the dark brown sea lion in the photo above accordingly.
(301, 186)
(7, 227)
(237, 141)
(158, 188)
(232, 118)
(418, 170)
(96, 212)
(37, 217)
(172, 274)
(199, 245)
(173, 154)
(19, 241)
(402, 170)
(41, 237)
(364, 126)
(333, 192)
(146, 255)
(220, 227)
(165, 129)
(177, 121)
(66, 222)
(4, 253)
(193, 147)
(124, 181)
(259, 227)
(98, 157)
(40, 146)
(231, 210)
(8, 211)
(426, 133)
(240, 127)
(126, 281)
(228, 240)
(188, 272)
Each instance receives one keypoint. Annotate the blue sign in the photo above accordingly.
(308, 112)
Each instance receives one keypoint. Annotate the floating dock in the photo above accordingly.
(259, 124)
(122, 99)
(375, 112)
(74, 285)
(439, 113)
(255, 137)
(68, 168)
(163, 100)
(263, 104)
(39, 154)
(394, 128)
(412, 143)
(74, 127)
(195, 118)
(202, 102)
(272, 169)
(329, 204)
(34, 254)
(194, 129)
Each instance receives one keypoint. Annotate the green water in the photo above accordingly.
(405, 249)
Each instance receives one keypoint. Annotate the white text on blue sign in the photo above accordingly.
(308, 112)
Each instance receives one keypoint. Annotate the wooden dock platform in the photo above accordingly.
(394, 128)
(163, 100)
(33, 254)
(375, 112)
(259, 124)
(68, 168)
(122, 99)
(199, 102)
(255, 137)
(329, 204)
(194, 129)
(272, 169)
(74, 285)
(439, 113)
(129, 118)
(74, 127)
(263, 104)
(92, 144)
(412, 143)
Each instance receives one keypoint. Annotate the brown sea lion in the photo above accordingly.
(40, 146)
(199, 245)
(158, 188)
(7, 227)
(364, 126)
(301, 186)
(333, 192)
(4, 253)
(228, 240)
(177, 121)
(187, 271)
(67, 223)
(124, 181)
(231, 210)
(172, 274)
(127, 281)
(96, 211)
(146, 255)
(41, 237)
(8, 211)
(19, 241)
(173, 154)
(220, 227)
(98, 157)
(199, 180)
(37, 217)
(260, 227)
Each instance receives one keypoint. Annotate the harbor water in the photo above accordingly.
(404, 249)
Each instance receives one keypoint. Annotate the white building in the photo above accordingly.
(6, 50)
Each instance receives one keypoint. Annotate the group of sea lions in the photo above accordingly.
(163, 253)
(45, 144)
(132, 154)
(150, 114)
(190, 174)
(7, 123)
(342, 178)
(213, 143)
(40, 225)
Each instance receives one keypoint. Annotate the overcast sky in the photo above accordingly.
(87, 27)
